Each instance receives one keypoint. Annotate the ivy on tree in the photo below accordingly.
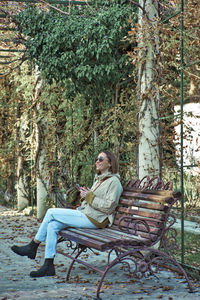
(89, 46)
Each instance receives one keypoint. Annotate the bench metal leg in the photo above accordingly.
(121, 258)
(80, 250)
(143, 265)
(165, 257)
(140, 265)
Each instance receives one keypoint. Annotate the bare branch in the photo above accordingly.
(138, 5)
(191, 74)
(55, 8)
(23, 59)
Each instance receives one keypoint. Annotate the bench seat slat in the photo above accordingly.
(113, 235)
(115, 230)
(93, 234)
(75, 237)
(97, 242)
(119, 235)
(102, 235)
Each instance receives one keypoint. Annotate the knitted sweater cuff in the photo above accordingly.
(89, 198)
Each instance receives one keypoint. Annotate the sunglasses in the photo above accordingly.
(100, 159)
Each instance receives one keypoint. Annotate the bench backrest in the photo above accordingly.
(144, 212)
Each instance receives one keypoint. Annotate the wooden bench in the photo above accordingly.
(141, 224)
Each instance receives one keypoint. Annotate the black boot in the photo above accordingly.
(46, 270)
(29, 250)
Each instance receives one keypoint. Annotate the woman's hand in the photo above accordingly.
(84, 191)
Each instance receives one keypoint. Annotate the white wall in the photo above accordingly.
(191, 129)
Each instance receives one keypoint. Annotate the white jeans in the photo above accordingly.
(57, 219)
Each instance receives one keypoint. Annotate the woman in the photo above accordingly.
(96, 211)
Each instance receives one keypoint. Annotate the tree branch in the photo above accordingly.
(57, 9)
(23, 59)
(138, 5)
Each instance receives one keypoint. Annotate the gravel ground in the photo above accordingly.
(15, 282)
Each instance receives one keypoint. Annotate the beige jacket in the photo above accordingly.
(102, 201)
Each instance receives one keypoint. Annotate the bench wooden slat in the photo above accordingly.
(166, 193)
(140, 204)
(144, 239)
(102, 235)
(75, 237)
(115, 236)
(141, 213)
(127, 237)
(151, 197)
(100, 241)
(120, 235)
(93, 234)
(115, 230)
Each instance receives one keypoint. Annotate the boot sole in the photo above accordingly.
(31, 256)
(37, 276)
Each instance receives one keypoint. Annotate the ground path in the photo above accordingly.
(15, 282)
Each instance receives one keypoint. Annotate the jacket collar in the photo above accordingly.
(102, 176)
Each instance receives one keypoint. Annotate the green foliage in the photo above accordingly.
(16, 96)
(83, 58)
(191, 253)
(87, 47)
(191, 185)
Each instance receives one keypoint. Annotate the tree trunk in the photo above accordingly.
(42, 184)
(148, 95)
(22, 187)
(42, 181)
(22, 199)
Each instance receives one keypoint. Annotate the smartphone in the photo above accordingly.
(78, 186)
